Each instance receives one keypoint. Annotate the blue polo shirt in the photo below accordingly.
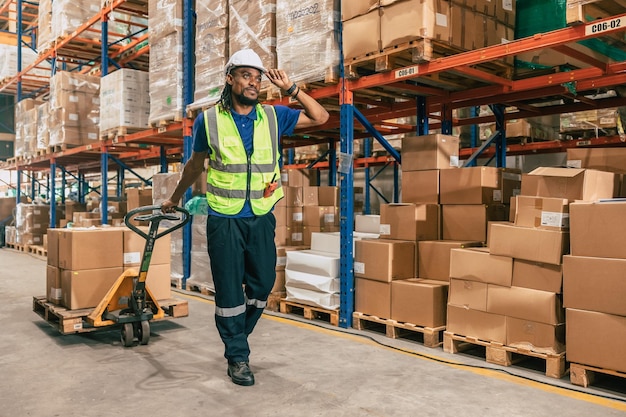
(287, 119)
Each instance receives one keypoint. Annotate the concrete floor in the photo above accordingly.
(301, 370)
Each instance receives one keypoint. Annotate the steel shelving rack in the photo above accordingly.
(415, 92)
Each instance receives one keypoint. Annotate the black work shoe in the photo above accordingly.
(240, 373)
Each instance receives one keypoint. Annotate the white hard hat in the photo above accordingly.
(244, 58)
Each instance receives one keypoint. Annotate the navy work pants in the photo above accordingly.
(243, 254)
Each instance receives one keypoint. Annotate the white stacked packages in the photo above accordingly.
(312, 277)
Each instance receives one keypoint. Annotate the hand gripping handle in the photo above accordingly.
(156, 216)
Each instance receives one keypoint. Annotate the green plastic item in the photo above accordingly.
(197, 206)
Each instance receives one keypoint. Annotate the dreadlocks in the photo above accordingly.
(226, 98)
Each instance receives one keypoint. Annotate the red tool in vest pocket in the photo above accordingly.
(271, 187)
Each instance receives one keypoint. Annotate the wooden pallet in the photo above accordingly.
(166, 121)
(177, 282)
(416, 51)
(75, 321)
(499, 354)
(585, 375)
(395, 330)
(310, 312)
(273, 301)
(114, 133)
(200, 287)
(38, 250)
(60, 148)
(577, 11)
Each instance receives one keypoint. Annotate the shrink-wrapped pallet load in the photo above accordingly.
(211, 50)
(125, 95)
(316, 25)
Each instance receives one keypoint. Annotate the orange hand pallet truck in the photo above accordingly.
(129, 301)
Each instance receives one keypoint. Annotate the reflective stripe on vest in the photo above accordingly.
(232, 175)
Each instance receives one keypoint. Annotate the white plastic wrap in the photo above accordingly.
(8, 62)
(44, 27)
(312, 262)
(69, 15)
(314, 298)
(165, 17)
(125, 100)
(166, 78)
(211, 50)
(307, 43)
(313, 282)
(252, 24)
(43, 126)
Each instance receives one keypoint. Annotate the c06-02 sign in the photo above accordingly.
(606, 26)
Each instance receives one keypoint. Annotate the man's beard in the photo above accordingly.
(243, 100)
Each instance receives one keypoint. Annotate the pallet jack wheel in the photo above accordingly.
(143, 332)
(127, 334)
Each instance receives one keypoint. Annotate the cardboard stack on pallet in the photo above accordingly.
(125, 94)
(25, 125)
(594, 287)
(31, 223)
(84, 263)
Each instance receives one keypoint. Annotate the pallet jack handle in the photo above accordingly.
(155, 217)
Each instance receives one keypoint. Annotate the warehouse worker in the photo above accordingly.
(241, 139)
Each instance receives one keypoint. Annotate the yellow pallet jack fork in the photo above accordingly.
(129, 301)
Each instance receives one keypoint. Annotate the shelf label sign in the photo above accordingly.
(606, 26)
(407, 72)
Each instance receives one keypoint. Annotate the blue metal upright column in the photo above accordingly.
(346, 171)
(188, 87)
(104, 180)
(53, 203)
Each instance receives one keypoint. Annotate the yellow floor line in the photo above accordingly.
(590, 398)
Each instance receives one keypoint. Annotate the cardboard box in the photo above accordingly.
(478, 324)
(537, 276)
(295, 216)
(372, 297)
(569, 183)
(81, 249)
(361, 35)
(53, 285)
(538, 245)
(293, 196)
(414, 19)
(434, 257)
(420, 302)
(595, 284)
(596, 339)
(468, 294)
(478, 185)
(159, 280)
(367, 223)
(420, 186)
(351, 8)
(299, 177)
(279, 282)
(280, 214)
(328, 196)
(310, 196)
(429, 152)
(477, 264)
(542, 212)
(526, 304)
(602, 159)
(280, 236)
(53, 246)
(134, 246)
(136, 197)
(598, 229)
(384, 260)
(320, 216)
(295, 236)
(469, 221)
(409, 221)
(86, 288)
(538, 337)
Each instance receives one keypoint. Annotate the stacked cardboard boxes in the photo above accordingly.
(83, 264)
(74, 108)
(125, 94)
(31, 223)
(25, 125)
(165, 32)
(593, 285)
(312, 277)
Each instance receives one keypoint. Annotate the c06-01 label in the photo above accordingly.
(406, 72)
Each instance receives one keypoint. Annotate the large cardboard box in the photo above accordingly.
(595, 284)
(384, 260)
(53, 246)
(434, 257)
(310, 196)
(136, 197)
(477, 264)
(328, 196)
(367, 223)
(478, 324)
(81, 249)
(372, 297)
(478, 185)
(598, 229)
(538, 276)
(602, 159)
(468, 294)
(542, 212)
(538, 337)
(420, 186)
(294, 196)
(86, 288)
(469, 221)
(279, 282)
(526, 304)
(351, 8)
(569, 183)
(361, 35)
(159, 280)
(596, 339)
(295, 215)
(53, 284)
(407, 20)
(134, 246)
(429, 152)
(409, 221)
(420, 302)
(299, 177)
(538, 245)
(320, 216)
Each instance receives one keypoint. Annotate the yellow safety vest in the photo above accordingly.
(234, 178)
